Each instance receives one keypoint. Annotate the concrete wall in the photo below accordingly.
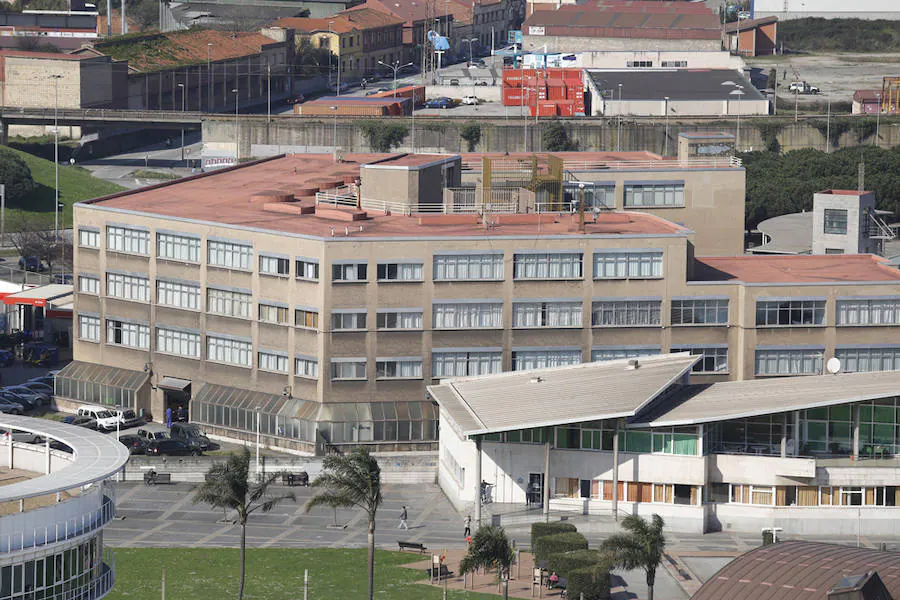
(555, 43)
(801, 520)
(828, 9)
(682, 108)
(696, 59)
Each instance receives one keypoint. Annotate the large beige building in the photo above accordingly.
(321, 297)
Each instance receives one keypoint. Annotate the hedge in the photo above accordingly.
(593, 582)
(566, 562)
(548, 545)
(539, 530)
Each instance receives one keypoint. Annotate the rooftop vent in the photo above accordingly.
(633, 364)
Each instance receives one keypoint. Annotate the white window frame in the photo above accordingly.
(778, 307)
(88, 238)
(633, 264)
(89, 328)
(273, 362)
(229, 351)
(341, 366)
(548, 266)
(468, 267)
(229, 303)
(457, 362)
(547, 314)
(88, 284)
(789, 356)
(306, 367)
(273, 313)
(350, 272)
(399, 316)
(390, 368)
(698, 312)
(400, 272)
(229, 255)
(177, 342)
(176, 294)
(718, 354)
(180, 248)
(621, 309)
(127, 240)
(544, 358)
(307, 269)
(467, 315)
(672, 194)
(133, 288)
(349, 319)
(867, 312)
(274, 266)
(133, 335)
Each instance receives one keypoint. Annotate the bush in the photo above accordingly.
(593, 582)
(567, 562)
(383, 137)
(471, 133)
(555, 138)
(17, 177)
(558, 543)
(539, 530)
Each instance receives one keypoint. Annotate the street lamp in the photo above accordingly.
(739, 92)
(56, 79)
(237, 131)
(619, 122)
(469, 41)
(666, 143)
(337, 46)
(181, 85)
(877, 117)
(396, 67)
(208, 77)
(334, 129)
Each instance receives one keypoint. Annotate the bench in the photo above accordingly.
(292, 479)
(415, 546)
(445, 573)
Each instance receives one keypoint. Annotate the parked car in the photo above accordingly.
(10, 407)
(127, 418)
(478, 62)
(31, 263)
(135, 444)
(153, 434)
(106, 420)
(454, 81)
(27, 402)
(86, 422)
(39, 387)
(443, 102)
(45, 379)
(21, 436)
(189, 433)
(39, 398)
(470, 100)
(298, 99)
(169, 447)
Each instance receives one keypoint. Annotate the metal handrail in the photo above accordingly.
(58, 531)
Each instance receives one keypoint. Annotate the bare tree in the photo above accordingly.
(33, 235)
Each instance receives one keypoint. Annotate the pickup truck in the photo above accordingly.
(801, 87)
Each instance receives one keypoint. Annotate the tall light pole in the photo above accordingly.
(209, 85)
(237, 131)
(181, 85)
(56, 79)
(469, 41)
(396, 67)
(666, 146)
(619, 122)
(739, 92)
(334, 109)
(828, 128)
(337, 46)
(877, 117)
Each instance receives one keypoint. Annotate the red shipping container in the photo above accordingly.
(547, 109)
(512, 78)
(512, 96)
(573, 75)
(566, 108)
(556, 91)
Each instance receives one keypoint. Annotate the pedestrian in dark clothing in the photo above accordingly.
(468, 526)
(403, 516)
(169, 417)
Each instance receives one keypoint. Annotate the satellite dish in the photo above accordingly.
(833, 365)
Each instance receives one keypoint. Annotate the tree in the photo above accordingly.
(33, 235)
(382, 136)
(641, 547)
(490, 548)
(352, 480)
(16, 176)
(312, 61)
(229, 485)
(471, 133)
(555, 138)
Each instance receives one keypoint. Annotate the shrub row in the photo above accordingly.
(558, 543)
(539, 530)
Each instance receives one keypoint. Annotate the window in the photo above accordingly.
(626, 313)
(786, 361)
(398, 368)
(178, 295)
(836, 221)
(834, 250)
(305, 317)
(177, 247)
(89, 328)
(131, 335)
(88, 284)
(88, 238)
(130, 241)
(465, 363)
(399, 319)
(349, 272)
(468, 267)
(408, 271)
(274, 265)
(179, 343)
(273, 313)
(468, 315)
(596, 194)
(229, 303)
(556, 313)
(788, 312)
(272, 361)
(229, 255)
(631, 265)
(306, 367)
(307, 269)
(674, 64)
(868, 311)
(620, 352)
(641, 64)
(348, 369)
(654, 194)
(550, 265)
(715, 359)
(229, 351)
(128, 287)
(352, 320)
(859, 360)
(523, 360)
(700, 312)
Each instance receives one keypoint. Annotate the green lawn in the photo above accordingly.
(75, 184)
(272, 574)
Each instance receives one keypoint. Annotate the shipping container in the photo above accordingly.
(354, 106)
(556, 89)
(512, 96)
(512, 78)
(566, 108)
(547, 109)
(410, 91)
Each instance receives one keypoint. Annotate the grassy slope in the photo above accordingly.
(75, 184)
(272, 574)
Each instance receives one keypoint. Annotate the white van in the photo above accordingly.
(106, 419)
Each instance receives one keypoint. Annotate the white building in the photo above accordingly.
(826, 9)
(809, 454)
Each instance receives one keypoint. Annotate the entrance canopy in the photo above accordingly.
(99, 384)
(44, 295)
(174, 384)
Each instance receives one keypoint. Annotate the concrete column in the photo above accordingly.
(700, 449)
(615, 490)
(856, 432)
(10, 457)
(546, 489)
(477, 482)
(784, 424)
(796, 451)
(47, 450)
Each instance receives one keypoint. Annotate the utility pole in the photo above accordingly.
(183, 90)
(56, 79)
(269, 91)
(109, 18)
(124, 21)
(208, 78)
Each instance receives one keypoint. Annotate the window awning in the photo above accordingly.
(174, 384)
(43, 295)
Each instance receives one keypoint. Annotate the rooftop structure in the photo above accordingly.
(343, 22)
(766, 270)
(751, 37)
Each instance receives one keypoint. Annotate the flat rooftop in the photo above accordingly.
(223, 197)
(828, 268)
(681, 84)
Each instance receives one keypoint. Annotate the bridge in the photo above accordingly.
(104, 117)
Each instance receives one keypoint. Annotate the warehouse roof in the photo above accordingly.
(725, 400)
(793, 570)
(825, 268)
(342, 22)
(677, 84)
(556, 396)
(747, 24)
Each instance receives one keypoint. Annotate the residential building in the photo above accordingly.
(483, 23)
(62, 29)
(809, 455)
(357, 39)
(623, 25)
(418, 19)
(336, 288)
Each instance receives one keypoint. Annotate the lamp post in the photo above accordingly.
(469, 41)
(737, 91)
(334, 129)
(56, 79)
(877, 117)
(208, 77)
(237, 131)
(619, 122)
(666, 143)
(181, 85)
(396, 67)
(337, 55)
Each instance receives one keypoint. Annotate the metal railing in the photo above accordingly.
(56, 530)
(16, 275)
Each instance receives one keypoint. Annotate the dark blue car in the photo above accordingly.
(439, 103)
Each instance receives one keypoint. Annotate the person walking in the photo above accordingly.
(169, 417)
(468, 526)
(403, 516)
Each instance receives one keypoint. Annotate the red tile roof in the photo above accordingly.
(408, 10)
(829, 268)
(343, 22)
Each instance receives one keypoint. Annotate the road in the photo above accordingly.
(160, 158)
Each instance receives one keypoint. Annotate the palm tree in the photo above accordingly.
(229, 485)
(349, 480)
(641, 548)
(490, 548)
